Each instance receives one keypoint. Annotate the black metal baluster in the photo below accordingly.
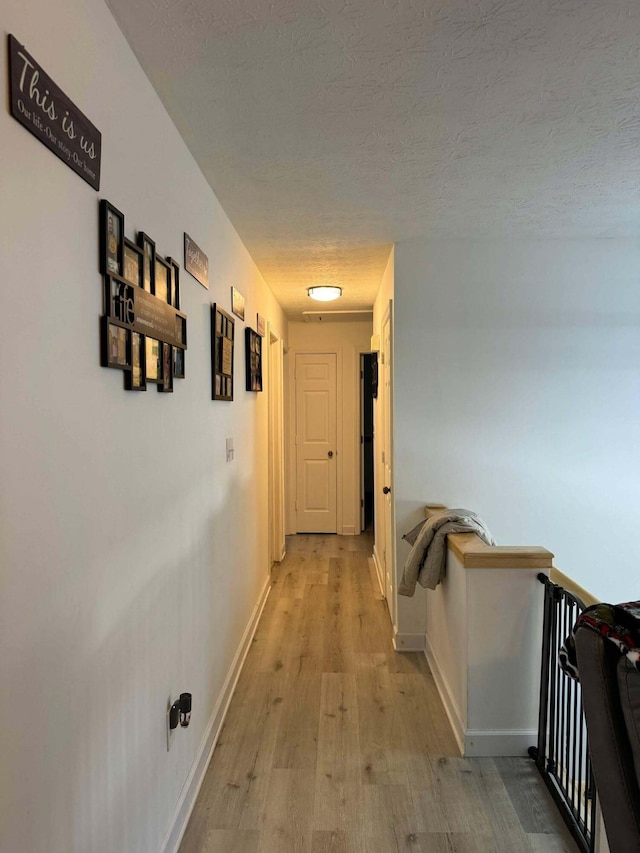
(562, 754)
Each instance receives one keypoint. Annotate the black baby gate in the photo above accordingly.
(562, 753)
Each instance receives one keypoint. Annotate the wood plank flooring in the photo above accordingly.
(334, 743)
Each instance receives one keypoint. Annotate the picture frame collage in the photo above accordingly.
(141, 297)
(222, 353)
(253, 360)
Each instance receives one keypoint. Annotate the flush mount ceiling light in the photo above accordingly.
(325, 293)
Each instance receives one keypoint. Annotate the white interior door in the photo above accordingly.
(385, 377)
(316, 493)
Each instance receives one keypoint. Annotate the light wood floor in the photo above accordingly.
(336, 744)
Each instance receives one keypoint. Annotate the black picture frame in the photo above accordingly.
(222, 354)
(132, 263)
(115, 340)
(253, 359)
(148, 247)
(178, 363)
(165, 384)
(162, 280)
(153, 360)
(136, 378)
(111, 239)
(175, 283)
(181, 329)
(139, 329)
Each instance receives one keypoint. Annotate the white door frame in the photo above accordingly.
(385, 421)
(276, 447)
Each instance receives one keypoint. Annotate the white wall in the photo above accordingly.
(348, 340)
(518, 395)
(128, 574)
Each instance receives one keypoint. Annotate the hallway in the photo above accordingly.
(336, 744)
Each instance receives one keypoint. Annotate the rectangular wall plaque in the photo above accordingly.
(46, 112)
(141, 312)
(196, 262)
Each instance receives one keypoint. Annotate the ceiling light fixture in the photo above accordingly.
(324, 293)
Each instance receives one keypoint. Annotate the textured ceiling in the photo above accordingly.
(330, 129)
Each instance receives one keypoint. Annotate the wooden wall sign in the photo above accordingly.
(144, 332)
(196, 262)
(46, 112)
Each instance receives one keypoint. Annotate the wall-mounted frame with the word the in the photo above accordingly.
(143, 332)
(222, 344)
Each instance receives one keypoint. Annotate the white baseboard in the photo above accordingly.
(378, 565)
(499, 743)
(408, 642)
(195, 778)
(451, 708)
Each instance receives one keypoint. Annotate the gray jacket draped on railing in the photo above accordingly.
(427, 559)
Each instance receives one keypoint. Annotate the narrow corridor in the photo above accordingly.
(334, 743)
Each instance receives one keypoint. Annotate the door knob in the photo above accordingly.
(386, 490)
(330, 454)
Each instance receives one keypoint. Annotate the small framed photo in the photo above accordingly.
(178, 363)
(226, 365)
(261, 325)
(136, 379)
(148, 261)
(166, 383)
(153, 360)
(175, 283)
(111, 239)
(162, 280)
(253, 360)
(181, 329)
(116, 345)
(237, 303)
(132, 263)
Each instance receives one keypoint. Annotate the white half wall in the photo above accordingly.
(517, 392)
(348, 340)
(132, 556)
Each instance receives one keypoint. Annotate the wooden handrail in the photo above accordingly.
(473, 553)
(571, 586)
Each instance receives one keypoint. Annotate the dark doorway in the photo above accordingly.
(366, 439)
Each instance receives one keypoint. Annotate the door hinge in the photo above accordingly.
(296, 503)
(361, 502)
(361, 439)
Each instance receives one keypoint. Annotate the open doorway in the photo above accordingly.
(368, 388)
